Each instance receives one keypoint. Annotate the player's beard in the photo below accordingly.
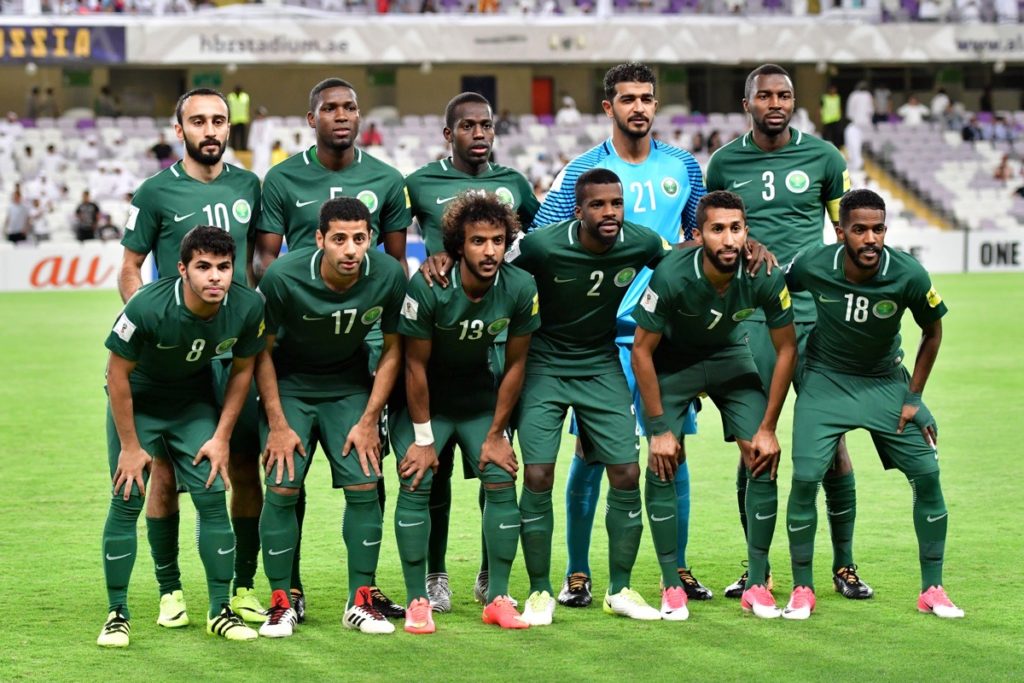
(623, 125)
(724, 267)
(772, 130)
(475, 270)
(606, 240)
(196, 153)
(854, 255)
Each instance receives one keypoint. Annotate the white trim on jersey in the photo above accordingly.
(835, 259)
(312, 264)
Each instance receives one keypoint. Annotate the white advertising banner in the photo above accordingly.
(995, 251)
(348, 39)
(63, 267)
(939, 251)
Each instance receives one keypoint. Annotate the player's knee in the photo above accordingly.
(284, 491)
(361, 487)
(539, 477)
(495, 485)
(927, 489)
(802, 494)
(624, 477)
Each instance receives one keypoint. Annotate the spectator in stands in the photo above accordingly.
(505, 124)
(968, 11)
(32, 102)
(11, 124)
(832, 116)
(163, 152)
(44, 188)
(106, 104)
(488, 6)
(296, 145)
(568, 114)
(985, 101)
(278, 153)
(698, 142)
(238, 116)
(27, 163)
(853, 141)
(1004, 172)
(972, 131)
(913, 112)
(88, 155)
(428, 7)
(860, 106)
(87, 218)
(802, 121)
(883, 104)
(680, 140)
(261, 137)
(1007, 11)
(1002, 131)
(714, 141)
(48, 104)
(371, 137)
(52, 162)
(37, 219)
(17, 226)
(108, 232)
(940, 104)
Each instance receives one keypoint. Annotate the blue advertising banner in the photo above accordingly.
(62, 44)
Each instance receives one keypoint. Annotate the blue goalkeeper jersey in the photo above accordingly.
(660, 193)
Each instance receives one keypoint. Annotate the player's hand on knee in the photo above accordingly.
(764, 450)
(918, 413)
(435, 269)
(279, 452)
(498, 451)
(364, 438)
(218, 452)
(757, 256)
(131, 463)
(417, 460)
(664, 455)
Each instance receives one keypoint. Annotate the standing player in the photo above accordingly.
(583, 269)
(688, 342)
(788, 182)
(162, 404)
(854, 378)
(293, 192)
(661, 185)
(200, 188)
(469, 129)
(315, 386)
(451, 395)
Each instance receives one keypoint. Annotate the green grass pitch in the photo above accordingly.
(55, 493)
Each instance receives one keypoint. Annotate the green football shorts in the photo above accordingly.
(760, 340)
(245, 439)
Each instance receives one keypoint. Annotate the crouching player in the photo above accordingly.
(162, 405)
(687, 342)
(448, 333)
(854, 378)
(315, 387)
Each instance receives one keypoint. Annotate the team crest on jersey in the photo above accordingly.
(225, 345)
(624, 277)
(369, 198)
(933, 298)
(885, 308)
(497, 326)
(505, 196)
(241, 210)
(742, 315)
(371, 315)
(669, 186)
(797, 182)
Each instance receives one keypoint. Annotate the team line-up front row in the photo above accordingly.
(552, 297)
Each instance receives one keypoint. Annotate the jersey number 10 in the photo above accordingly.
(217, 216)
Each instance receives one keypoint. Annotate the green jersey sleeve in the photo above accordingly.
(251, 341)
(923, 300)
(142, 228)
(651, 313)
(526, 319)
(271, 291)
(417, 319)
(657, 249)
(835, 184)
(522, 253)
(529, 206)
(712, 177)
(272, 217)
(129, 334)
(391, 317)
(396, 214)
(777, 304)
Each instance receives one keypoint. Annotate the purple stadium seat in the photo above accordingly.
(85, 124)
(546, 120)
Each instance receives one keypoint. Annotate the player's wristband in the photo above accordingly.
(423, 433)
(657, 425)
(912, 398)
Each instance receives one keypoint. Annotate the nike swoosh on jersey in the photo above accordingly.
(563, 280)
(688, 315)
(306, 316)
(164, 347)
(178, 219)
(445, 200)
(736, 183)
(825, 300)
(299, 204)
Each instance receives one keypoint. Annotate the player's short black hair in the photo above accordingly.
(459, 100)
(180, 106)
(327, 84)
(595, 176)
(719, 199)
(208, 240)
(763, 70)
(859, 199)
(630, 72)
(475, 207)
(342, 209)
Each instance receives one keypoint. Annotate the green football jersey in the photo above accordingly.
(173, 348)
(462, 331)
(170, 203)
(432, 186)
(787, 194)
(580, 293)
(694, 319)
(858, 329)
(319, 350)
(294, 190)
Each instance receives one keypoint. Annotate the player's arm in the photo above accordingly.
(394, 246)
(765, 447)
(421, 456)
(395, 221)
(129, 278)
(497, 449)
(364, 437)
(913, 409)
(133, 459)
(664, 446)
(268, 246)
(282, 441)
(218, 448)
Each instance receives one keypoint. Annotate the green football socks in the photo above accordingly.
(440, 514)
(279, 536)
(762, 502)
(538, 522)
(216, 545)
(802, 522)
(661, 512)
(120, 544)
(501, 525)
(163, 545)
(841, 507)
(931, 518)
(625, 525)
(362, 529)
(412, 531)
(247, 549)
